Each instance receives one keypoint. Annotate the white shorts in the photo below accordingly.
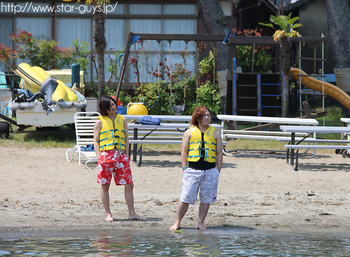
(204, 180)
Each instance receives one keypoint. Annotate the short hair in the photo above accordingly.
(104, 104)
(198, 114)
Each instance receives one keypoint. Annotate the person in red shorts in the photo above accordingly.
(111, 145)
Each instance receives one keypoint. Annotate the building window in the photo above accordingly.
(66, 22)
(39, 27)
(78, 29)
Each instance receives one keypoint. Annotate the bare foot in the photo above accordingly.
(201, 227)
(136, 217)
(109, 218)
(174, 227)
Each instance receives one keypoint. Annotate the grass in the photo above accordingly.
(333, 116)
(30, 138)
(331, 119)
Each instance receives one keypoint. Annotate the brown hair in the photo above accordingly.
(198, 114)
(104, 104)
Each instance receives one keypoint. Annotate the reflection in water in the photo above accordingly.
(111, 246)
(188, 243)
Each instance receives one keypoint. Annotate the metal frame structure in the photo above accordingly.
(159, 37)
(255, 41)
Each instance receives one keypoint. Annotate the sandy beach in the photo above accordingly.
(41, 190)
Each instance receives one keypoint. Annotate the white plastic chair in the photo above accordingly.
(84, 131)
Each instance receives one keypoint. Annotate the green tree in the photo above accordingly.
(45, 54)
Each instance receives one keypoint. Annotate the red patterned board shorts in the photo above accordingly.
(114, 164)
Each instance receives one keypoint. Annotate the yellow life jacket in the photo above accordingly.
(112, 138)
(194, 151)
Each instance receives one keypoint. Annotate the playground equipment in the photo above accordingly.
(258, 41)
(257, 94)
(159, 37)
(263, 99)
(307, 92)
(321, 86)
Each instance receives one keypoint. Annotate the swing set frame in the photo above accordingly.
(133, 37)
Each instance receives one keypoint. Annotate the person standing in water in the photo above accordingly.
(111, 145)
(201, 159)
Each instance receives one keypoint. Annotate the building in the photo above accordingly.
(313, 16)
(65, 20)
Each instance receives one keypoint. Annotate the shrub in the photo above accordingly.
(263, 60)
(7, 57)
(156, 97)
(208, 92)
(160, 96)
(113, 65)
(46, 54)
(208, 95)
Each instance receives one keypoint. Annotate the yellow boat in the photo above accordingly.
(33, 77)
(53, 103)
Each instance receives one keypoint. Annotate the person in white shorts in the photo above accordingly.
(201, 159)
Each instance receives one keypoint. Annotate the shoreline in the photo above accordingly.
(42, 191)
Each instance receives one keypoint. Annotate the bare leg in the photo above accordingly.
(105, 201)
(181, 211)
(203, 210)
(129, 198)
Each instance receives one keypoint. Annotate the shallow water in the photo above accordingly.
(187, 243)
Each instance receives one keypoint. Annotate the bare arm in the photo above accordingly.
(184, 147)
(97, 128)
(219, 153)
(125, 123)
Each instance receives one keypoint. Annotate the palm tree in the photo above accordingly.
(285, 31)
(100, 41)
